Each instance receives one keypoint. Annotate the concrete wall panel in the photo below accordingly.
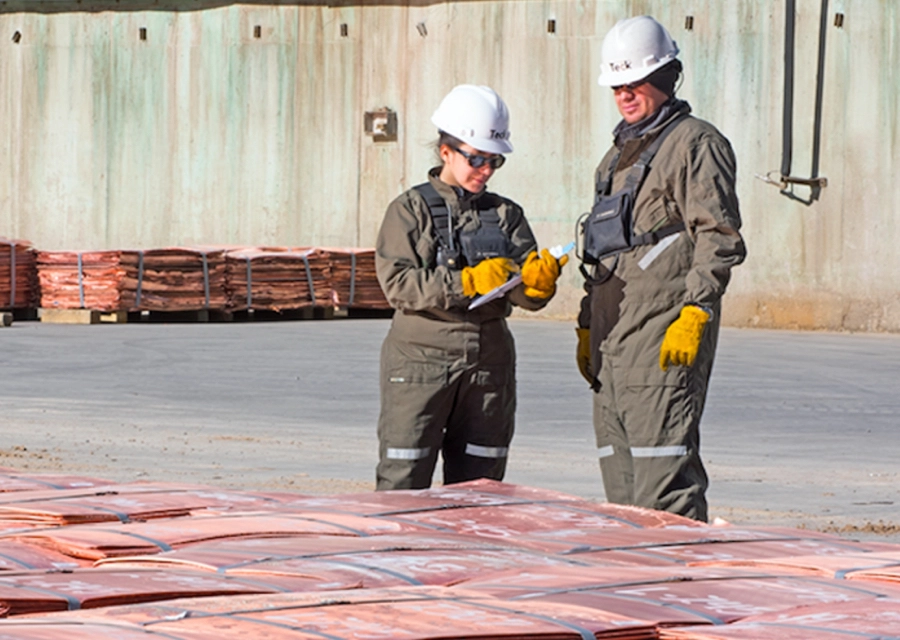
(209, 131)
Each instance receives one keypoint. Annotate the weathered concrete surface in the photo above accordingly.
(205, 133)
(800, 428)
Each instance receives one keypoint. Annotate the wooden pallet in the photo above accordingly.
(81, 316)
(93, 316)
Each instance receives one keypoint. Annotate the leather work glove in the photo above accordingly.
(539, 273)
(583, 354)
(683, 336)
(486, 275)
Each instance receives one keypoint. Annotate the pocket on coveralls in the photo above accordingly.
(660, 404)
(417, 373)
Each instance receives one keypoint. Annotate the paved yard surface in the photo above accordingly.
(801, 429)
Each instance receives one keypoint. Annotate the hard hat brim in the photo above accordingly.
(491, 146)
(618, 78)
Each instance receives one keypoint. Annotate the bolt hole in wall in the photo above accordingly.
(257, 31)
(839, 20)
(142, 33)
(689, 23)
(345, 31)
(17, 37)
(551, 26)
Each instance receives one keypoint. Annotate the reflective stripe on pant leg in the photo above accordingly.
(480, 428)
(613, 452)
(407, 454)
(486, 452)
(416, 396)
(663, 417)
(659, 452)
(605, 451)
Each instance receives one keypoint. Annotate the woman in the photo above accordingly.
(447, 372)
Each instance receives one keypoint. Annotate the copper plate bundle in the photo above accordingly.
(18, 274)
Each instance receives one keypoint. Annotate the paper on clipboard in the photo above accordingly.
(557, 252)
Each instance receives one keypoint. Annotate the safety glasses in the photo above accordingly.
(631, 86)
(476, 161)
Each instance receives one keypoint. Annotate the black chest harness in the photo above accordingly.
(607, 229)
(456, 248)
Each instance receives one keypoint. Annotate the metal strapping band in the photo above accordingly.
(80, 283)
(659, 452)
(486, 452)
(653, 254)
(74, 603)
(371, 567)
(585, 634)
(618, 595)
(249, 284)
(352, 277)
(309, 279)
(123, 517)
(157, 543)
(407, 454)
(205, 278)
(140, 284)
(14, 560)
(277, 625)
(605, 452)
(12, 274)
(356, 532)
(843, 573)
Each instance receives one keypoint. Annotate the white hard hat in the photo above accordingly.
(633, 49)
(477, 116)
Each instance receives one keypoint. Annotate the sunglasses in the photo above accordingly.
(476, 161)
(631, 86)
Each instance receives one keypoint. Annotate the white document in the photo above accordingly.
(557, 252)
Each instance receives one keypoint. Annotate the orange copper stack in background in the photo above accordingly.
(18, 274)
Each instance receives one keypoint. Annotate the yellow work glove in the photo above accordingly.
(683, 336)
(583, 354)
(486, 275)
(539, 273)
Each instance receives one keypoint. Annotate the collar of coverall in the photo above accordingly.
(449, 192)
(670, 108)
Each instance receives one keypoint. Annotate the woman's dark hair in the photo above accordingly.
(445, 138)
(666, 77)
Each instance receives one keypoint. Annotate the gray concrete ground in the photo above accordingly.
(801, 429)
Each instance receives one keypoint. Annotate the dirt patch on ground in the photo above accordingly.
(22, 457)
(879, 528)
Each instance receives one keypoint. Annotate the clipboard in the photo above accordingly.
(557, 252)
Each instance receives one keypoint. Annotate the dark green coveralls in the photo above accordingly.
(647, 421)
(447, 374)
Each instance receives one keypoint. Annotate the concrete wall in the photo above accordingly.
(204, 133)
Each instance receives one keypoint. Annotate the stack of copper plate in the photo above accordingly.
(181, 279)
(880, 564)
(101, 280)
(19, 556)
(353, 280)
(369, 562)
(122, 503)
(874, 619)
(480, 560)
(18, 274)
(422, 613)
(10, 480)
(262, 279)
(688, 595)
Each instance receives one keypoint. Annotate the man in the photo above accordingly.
(649, 322)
